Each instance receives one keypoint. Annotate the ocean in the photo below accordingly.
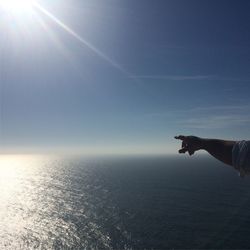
(122, 202)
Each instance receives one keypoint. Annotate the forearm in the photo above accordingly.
(220, 149)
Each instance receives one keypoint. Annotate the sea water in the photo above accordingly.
(137, 202)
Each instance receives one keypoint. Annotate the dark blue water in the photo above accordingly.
(122, 203)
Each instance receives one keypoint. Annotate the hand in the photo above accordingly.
(190, 144)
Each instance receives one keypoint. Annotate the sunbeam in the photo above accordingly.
(82, 40)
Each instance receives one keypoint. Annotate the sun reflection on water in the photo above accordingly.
(49, 202)
(12, 170)
(19, 177)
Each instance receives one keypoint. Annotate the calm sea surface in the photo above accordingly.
(122, 203)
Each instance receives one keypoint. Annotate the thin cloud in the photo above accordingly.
(223, 108)
(217, 122)
(191, 77)
(216, 117)
(213, 117)
(174, 77)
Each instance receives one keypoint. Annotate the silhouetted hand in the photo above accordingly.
(190, 144)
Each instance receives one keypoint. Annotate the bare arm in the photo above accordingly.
(220, 149)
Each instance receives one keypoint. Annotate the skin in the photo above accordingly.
(220, 149)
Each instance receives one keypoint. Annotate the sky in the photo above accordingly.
(112, 76)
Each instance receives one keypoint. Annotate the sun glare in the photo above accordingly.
(17, 5)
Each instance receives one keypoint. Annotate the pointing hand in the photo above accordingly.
(190, 144)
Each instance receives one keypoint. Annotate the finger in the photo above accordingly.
(180, 137)
(191, 152)
(183, 150)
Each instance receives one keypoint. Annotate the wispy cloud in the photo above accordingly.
(222, 108)
(217, 121)
(213, 117)
(191, 77)
(174, 77)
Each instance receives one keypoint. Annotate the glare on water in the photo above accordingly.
(26, 206)
(41, 208)
(12, 170)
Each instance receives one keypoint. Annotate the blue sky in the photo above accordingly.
(123, 76)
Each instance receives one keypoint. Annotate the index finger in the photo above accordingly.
(180, 137)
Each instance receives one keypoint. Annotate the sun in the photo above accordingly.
(16, 5)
